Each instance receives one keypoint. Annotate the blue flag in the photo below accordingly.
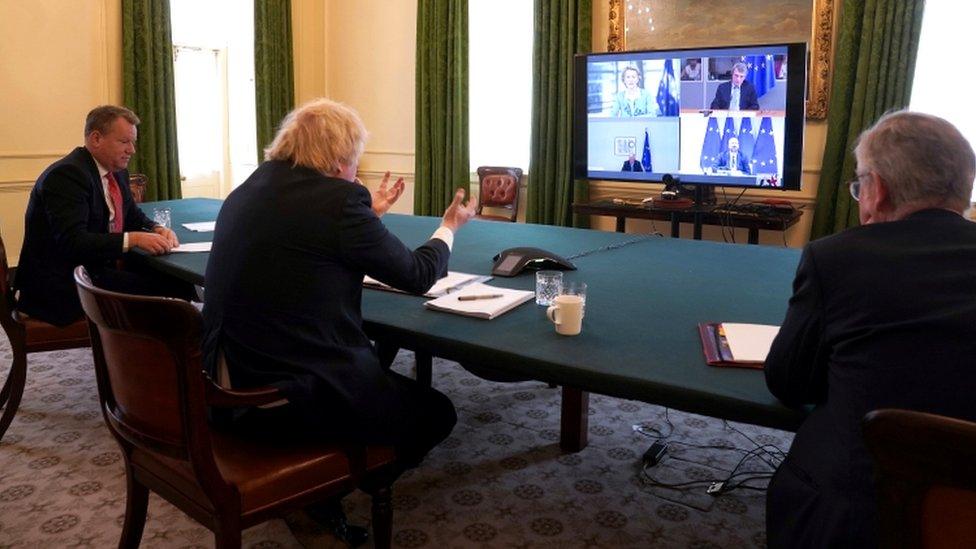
(747, 141)
(764, 155)
(646, 159)
(727, 133)
(711, 144)
(760, 72)
(668, 91)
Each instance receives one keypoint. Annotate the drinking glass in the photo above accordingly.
(163, 216)
(548, 284)
(575, 288)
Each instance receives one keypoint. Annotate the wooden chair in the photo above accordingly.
(926, 478)
(27, 335)
(137, 184)
(499, 188)
(155, 396)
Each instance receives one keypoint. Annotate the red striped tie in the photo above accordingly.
(116, 195)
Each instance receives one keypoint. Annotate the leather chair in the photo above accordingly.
(499, 188)
(925, 478)
(137, 184)
(27, 335)
(155, 398)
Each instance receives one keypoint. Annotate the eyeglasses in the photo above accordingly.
(855, 185)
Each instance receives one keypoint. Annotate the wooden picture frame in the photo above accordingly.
(822, 42)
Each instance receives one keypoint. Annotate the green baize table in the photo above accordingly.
(639, 341)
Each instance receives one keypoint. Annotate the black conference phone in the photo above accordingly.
(510, 262)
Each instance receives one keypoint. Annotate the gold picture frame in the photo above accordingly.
(822, 43)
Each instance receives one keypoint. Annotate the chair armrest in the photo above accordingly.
(233, 398)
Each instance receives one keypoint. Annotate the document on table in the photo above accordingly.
(480, 301)
(192, 247)
(201, 227)
(450, 283)
(738, 345)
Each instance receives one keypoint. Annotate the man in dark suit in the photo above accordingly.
(882, 316)
(284, 288)
(632, 165)
(82, 212)
(732, 158)
(738, 94)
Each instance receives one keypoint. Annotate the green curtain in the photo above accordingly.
(274, 81)
(442, 161)
(562, 29)
(873, 71)
(147, 87)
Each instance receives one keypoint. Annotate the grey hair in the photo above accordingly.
(101, 118)
(924, 160)
(740, 68)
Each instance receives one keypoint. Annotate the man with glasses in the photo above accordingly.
(882, 316)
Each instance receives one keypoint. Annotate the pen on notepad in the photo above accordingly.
(476, 297)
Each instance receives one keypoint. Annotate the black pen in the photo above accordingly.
(476, 297)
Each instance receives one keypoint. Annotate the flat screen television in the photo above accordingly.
(720, 116)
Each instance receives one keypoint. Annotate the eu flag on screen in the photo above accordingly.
(711, 144)
(764, 155)
(668, 91)
(760, 72)
(727, 133)
(747, 141)
(646, 158)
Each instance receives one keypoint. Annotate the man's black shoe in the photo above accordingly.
(331, 516)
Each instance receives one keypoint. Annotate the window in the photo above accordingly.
(213, 59)
(500, 82)
(941, 68)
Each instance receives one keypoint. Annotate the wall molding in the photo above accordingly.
(390, 153)
(32, 155)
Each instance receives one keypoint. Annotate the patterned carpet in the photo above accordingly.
(498, 481)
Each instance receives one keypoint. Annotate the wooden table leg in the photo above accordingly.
(574, 419)
(754, 235)
(425, 367)
(387, 353)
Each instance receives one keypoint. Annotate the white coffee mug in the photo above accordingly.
(566, 312)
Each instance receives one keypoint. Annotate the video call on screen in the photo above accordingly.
(717, 114)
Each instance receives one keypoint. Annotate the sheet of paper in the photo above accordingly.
(192, 247)
(749, 342)
(201, 227)
(450, 283)
(494, 301)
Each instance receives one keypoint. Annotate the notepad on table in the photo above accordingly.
(491, 302)
(454, 281)
(736, 344)
(201, 227)
(192, 247)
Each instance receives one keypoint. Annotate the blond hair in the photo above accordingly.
(924, 159)
(323, 135)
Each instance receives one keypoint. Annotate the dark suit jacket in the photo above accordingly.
(635, 167)
(882, 316)
(742, 163)
(748, 100)
(67, 225)
(284, 288)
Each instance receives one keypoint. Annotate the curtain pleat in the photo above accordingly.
(274, 80)
(873, 70)
(147, 88)
(562, 29)
(442, 159)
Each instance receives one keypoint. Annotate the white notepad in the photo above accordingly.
(192, 247)
(454, 281)
(201, 227)
(749, 342)
(505, 301)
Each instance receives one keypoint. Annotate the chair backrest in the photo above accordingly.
(7, 303)
(499, 188)
(137, 184)
(148, 368)
(926, 478)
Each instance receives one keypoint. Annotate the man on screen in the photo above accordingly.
(732, 159)
(738, 94)
(632, 164)
(882, 316)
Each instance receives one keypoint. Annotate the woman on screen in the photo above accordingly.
(633, 100)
